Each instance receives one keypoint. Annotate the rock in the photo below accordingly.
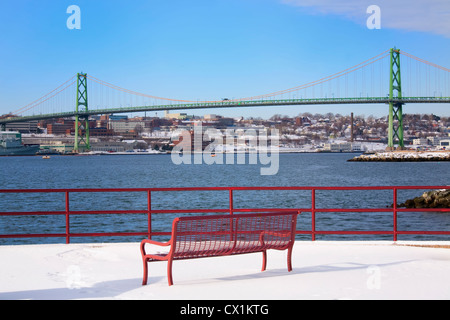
(404, 156)
(429, 199)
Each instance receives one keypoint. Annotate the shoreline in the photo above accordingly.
(165, 153)
(375, 156)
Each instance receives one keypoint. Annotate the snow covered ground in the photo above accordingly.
(321, 270)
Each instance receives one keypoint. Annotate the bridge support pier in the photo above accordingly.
(395, 131)
(81, 143)
(395, 126)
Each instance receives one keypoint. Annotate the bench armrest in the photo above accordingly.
(273, 233)
(161, 244)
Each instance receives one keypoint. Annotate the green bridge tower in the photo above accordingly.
(395, 130)
(81, 121)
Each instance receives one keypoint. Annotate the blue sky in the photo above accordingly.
(210, 49)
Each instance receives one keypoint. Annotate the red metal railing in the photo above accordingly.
(312, 209)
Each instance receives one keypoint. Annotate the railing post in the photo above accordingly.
(395, 213)
(313, 214)
(149, 213)
(231, 200)
(67, 218)
(230, 192)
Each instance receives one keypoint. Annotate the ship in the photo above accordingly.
(11, 145)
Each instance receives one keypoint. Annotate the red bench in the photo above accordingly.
(223, 235)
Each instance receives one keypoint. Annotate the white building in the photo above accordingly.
(420, 142)
(111, 146)
(434, 140)
(338, 147)
(125, 125)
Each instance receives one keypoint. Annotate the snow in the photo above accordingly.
(442, 155)
(321, 270)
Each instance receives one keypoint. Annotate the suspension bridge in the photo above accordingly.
(364, 83)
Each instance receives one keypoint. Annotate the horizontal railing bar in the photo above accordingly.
(389, 232)
(169, 211)
(423, 210)
(108, 234)
(221, 189)
(424, 232)
(32, 213)
(112, 234)
(33, 235)
(80, 212)
(63, 235)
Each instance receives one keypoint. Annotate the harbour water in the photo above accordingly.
(142, 171)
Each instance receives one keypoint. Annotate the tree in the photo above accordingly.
(330, 116)
(140, 146)
(275, 117)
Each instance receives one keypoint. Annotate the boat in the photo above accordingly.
(11, 145)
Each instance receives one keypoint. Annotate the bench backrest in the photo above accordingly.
(198, 236)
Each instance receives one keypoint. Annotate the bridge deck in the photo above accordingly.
(230, 104)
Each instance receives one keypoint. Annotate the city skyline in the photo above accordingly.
(209, 50)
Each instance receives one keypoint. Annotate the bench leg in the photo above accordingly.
(264, 264)
(169, 272)
(145, 277)
(289, 259)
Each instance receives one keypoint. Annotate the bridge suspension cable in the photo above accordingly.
(421, 78)
(46, 97)
(107, 84)
(325, 79)
(262, 96)
(424, 61)
(424, 78)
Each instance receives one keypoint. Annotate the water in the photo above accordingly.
(137, 171)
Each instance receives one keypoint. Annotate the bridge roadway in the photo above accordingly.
(229, 104)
